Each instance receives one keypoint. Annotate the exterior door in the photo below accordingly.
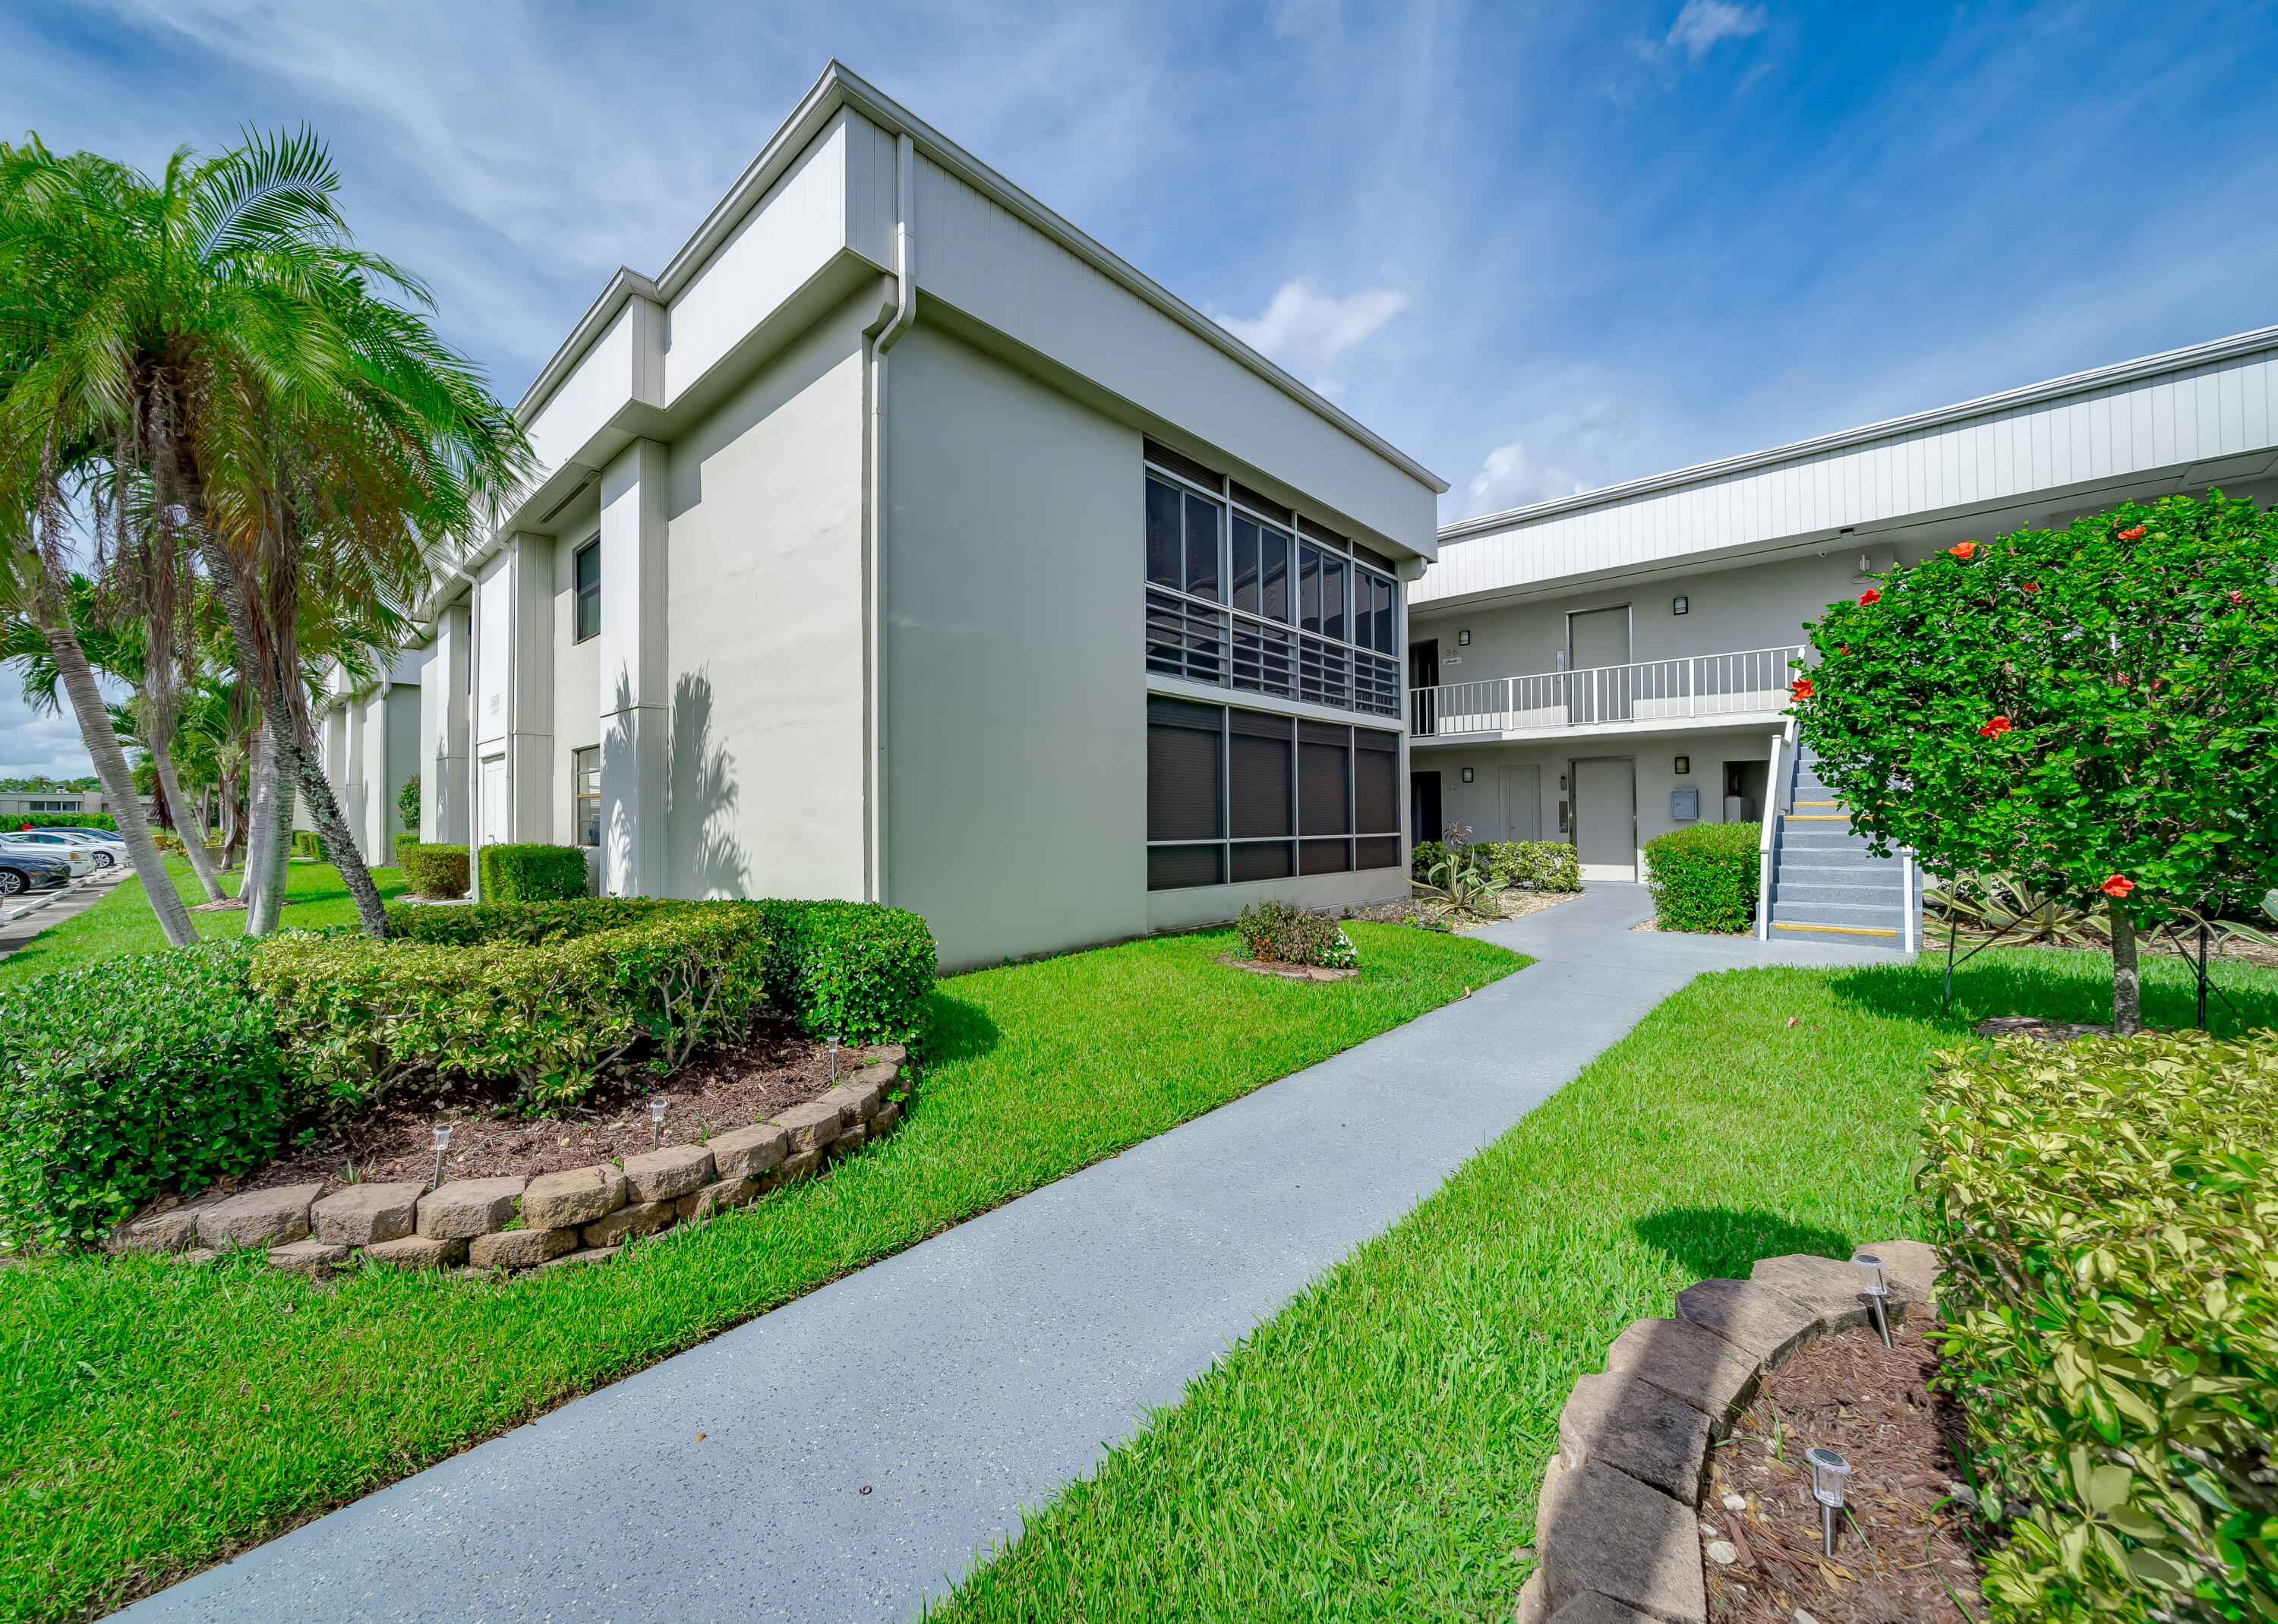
(1522, 802)
(1424, 672)
(494, 819)
(1605, 818)
(1598, 651)
(1424, 814)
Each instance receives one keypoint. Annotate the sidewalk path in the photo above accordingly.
(979, 1370)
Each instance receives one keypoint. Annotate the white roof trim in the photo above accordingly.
(839, 87)
(2078, 383)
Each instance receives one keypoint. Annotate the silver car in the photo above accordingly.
(102, 847)
(30, 869)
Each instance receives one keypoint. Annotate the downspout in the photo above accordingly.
(875, 575)
(1775, 788)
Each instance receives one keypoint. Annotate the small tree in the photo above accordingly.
(407, 804)
(2094, 709)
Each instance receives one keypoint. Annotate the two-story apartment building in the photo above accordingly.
(898, 541)
(1609, 665)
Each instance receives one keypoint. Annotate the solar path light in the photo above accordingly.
(1877, 1291)
(832, 1043)
(1828, 1471)
(657, 1106)
(442, 1143)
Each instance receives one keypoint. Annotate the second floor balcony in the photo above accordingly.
(1647, 696)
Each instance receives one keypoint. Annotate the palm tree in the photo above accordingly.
(216, 329)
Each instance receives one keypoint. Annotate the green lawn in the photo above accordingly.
(1374, 1452)
(123, 923)
(156, 1417)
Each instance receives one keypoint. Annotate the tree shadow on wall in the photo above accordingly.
(1722, 1243)
(706, 861)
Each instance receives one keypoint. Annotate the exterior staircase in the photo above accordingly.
(1825, 885)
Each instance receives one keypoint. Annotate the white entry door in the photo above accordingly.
(494, 819)
(1605, 818)
(1522, 802)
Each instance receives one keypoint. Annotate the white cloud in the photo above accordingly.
(1511, 478)
(1306, 328)
(31, 743)
(1702, 23)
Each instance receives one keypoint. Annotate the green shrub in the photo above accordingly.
(407, 804)
(2109, 1215)
(307, 843)
(126, 1079)
(356, 1017)
(59, 820)
(1534, 865)
(530, 924)
(431, 870)
(1279, 932)
(1703, 878)
(861, 970)
(1422, 856)
(533, 873)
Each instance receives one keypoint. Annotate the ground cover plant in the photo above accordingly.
(135, 1444)
(1284, 933)
(121, 923)
(2111, 1212)
(1374, 1450)
(1703, 877)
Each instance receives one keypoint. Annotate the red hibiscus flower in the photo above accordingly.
(2237, 599)
(1801, 689)
(2119, 884)
(2030, 586)
(1871, 595)
(1965, 551)
(1996, 728)
(2135, 535)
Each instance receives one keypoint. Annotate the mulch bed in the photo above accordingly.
(1906, 1550)
(1513, 906)
(727, 1086)
(1287, 973)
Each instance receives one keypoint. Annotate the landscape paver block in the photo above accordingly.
(847, 1143)
(363, 1213)
(1909, 1269)
(417, 1252)
(469, 1207)
(578, 1196)
(1689, 1363)
(715, 1198)
(812, 1126)
(888, 1055)
(640, 1218)
(1828, 1290)
(1602, 1531)
(747, 1152)
(859, 1100)
(889, 1114)
(1753, 1318)
(667, 1174)
(583, 1254)
(794, 1168)
(157, 1232)
(1635, 1428)
(313, 1257)
(885, 1075)
(273, 1217)
(522, 1248)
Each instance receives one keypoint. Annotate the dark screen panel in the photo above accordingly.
(1274, 575)
(1164, 544)
(1377, 851)
(1202, 548)
(1376, 795)
(1321, 788)
(1245, 564)
(1309, 590)
(1324, 856)
(1173, 868)
(1183, 787)
(1260, 786)
(1333, 598)
(1269, 859)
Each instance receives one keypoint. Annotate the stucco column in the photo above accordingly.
(531, 767)
(445, 799)
(634, 706)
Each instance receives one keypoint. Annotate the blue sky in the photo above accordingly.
(1540, 246)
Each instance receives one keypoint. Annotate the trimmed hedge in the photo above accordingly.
(530, 924)
(533, 873)
(1536, 865)
(307, 843)
(126, 1079)
(860, 971)
(1704, 878)
(356, 1017)
(1281, 933)
(436, 870)
(60, 820)
(2108, 1217)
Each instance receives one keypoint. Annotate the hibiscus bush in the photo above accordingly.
(2091, 710)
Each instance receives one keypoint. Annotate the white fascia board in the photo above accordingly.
(839, 87)
(1937, 417)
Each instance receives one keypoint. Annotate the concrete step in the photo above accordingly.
(1789, 889)
(1835, 935)
(1887, 915)
(1821, 837)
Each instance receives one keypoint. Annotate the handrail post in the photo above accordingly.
(1782, 743)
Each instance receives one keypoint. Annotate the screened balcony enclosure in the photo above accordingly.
(1754, 682)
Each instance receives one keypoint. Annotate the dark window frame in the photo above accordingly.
(585, 796)
(585, 595)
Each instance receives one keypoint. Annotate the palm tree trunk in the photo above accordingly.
(193, 841)
(304, 773)
(2127, 983)
(102, 742)
(270, 843)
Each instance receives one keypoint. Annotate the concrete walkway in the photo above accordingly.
(25, 917)
(862, 1444)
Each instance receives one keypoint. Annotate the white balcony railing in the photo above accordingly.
(1755, 680)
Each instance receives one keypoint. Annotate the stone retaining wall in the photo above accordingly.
(1617, 1530)
(585, 1214)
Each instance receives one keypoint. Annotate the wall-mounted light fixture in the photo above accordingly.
(1680, 604)
(1685, 764)
(1463, 639)
(1467, 775)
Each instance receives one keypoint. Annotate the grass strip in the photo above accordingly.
(1374, 1453)
(122, 922)
(155, 1417)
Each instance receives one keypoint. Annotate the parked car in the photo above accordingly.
(107, 847)
(79, 858)
(28, 868)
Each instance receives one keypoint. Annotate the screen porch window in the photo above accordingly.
(1236, 794)
(585, 795)
(586, 579)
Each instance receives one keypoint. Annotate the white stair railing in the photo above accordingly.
(1748, 681)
